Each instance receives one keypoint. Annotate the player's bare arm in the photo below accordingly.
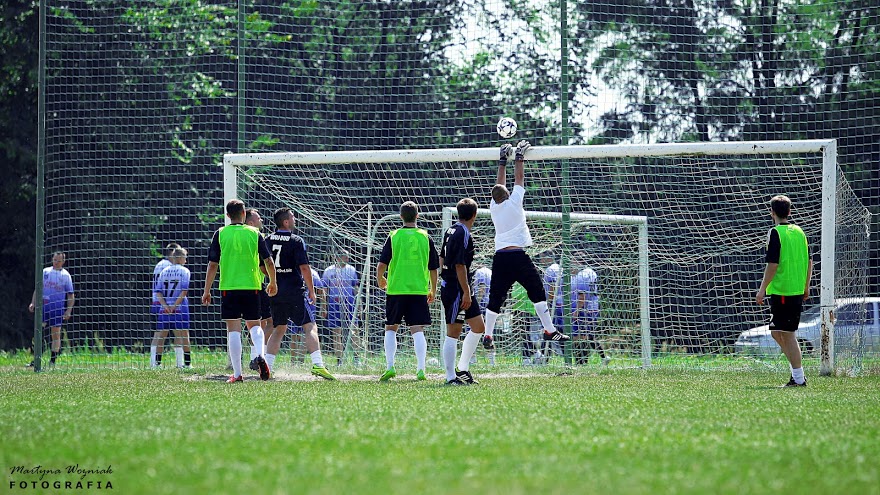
(306, 272)
(272, 288)
(210, 274)
(505, 152)
(433, 286)
(461, 274)
(769, 273)
(70, 300)
(519, 169)
(381, 268)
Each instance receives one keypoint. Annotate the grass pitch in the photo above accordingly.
(618, 431)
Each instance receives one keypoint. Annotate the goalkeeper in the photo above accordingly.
(511, 263)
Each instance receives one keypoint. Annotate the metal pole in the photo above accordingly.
(39, 238)
(240, 89)
(565, 261)
(828, 258)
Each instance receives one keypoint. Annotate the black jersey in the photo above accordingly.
(458, 249)
(289, 253)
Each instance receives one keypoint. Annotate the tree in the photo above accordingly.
(18, 144)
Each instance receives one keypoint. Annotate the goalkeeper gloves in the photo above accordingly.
(521, 148)
(506, 149)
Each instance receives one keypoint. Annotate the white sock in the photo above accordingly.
(178, 353)
(468, 348)
(421, 346)
(152, 355)
(449, 347)
(491, 316)
(270, 360)
(544, 315)
(233, 342)
(257, 337)
(798, 375)
(491, 358)
(317, 360)
(390, 348)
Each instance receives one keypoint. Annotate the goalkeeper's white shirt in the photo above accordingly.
(509, 219)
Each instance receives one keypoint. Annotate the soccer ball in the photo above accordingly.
(433, 362)
(506, 127)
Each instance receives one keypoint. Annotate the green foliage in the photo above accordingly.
(18, 158)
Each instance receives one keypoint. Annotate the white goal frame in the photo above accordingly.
(826, 147)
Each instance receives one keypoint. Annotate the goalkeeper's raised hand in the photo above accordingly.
(506, 150)
(521, 148)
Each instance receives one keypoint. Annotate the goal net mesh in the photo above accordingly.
(707, 217)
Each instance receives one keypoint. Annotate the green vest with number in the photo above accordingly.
(408, 269)
(794, 260)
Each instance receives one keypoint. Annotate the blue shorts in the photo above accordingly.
(53, 313)
(585, 324)
(558, 319)
(340, 316)
(173, 321)
(293, 329)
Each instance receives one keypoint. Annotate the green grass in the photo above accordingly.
(619, 431)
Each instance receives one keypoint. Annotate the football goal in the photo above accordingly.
(675, 234)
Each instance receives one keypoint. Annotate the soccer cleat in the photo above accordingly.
(30, 365)
(488, 343)
(465, 377)
(254, 366)
(389, 374)
(420, 375)
(556, 336)
(605, 362)
(792, 383)
(233, 379)
(456, 382)
(322, 372)
(263, 366)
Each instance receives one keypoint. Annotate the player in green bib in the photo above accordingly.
(787, 283)
(411, 260)
(236, 250)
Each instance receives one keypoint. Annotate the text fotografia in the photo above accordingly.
(61, 485)
(45, 479)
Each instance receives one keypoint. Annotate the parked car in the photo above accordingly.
(857, 324)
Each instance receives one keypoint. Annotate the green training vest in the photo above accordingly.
(239, 258)
(408, 270)
(794, 259)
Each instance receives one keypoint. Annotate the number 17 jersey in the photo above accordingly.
(171, 282)
(288, 252)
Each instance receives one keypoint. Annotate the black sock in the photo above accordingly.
(186, 359)
(158, 359)
(54, 356)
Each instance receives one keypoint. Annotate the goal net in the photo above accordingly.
(702, 210)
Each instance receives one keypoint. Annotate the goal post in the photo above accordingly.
(703, 271)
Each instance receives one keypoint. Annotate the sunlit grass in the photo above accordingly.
(590, 431)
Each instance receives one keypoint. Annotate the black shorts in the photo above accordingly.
(265, 305)
(451, 295)
(407, 307)
(509, 267)
(785, 312)
(238, 304)
(293, 307)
